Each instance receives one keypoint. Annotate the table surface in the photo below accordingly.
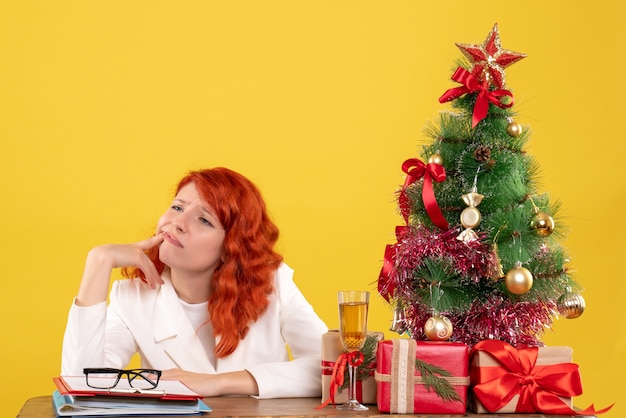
(246, 407)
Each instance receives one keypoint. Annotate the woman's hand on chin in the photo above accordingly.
(101, 260)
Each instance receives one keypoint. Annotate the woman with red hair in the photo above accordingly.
(207, 300)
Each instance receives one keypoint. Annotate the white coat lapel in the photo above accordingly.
(174, 332)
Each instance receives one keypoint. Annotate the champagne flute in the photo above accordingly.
(353, 307)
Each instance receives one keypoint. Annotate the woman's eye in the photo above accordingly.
(176, 208)
(206, 221)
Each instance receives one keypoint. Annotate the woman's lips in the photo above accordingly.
(169, 238)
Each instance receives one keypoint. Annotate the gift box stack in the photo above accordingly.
(493, 377)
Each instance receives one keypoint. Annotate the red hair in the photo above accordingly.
(241, 285)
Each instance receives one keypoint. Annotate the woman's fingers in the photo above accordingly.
(146, 244)
(153, 278)
(134, 255)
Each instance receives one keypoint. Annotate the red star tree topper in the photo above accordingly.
(490, 59)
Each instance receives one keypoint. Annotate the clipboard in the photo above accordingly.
(166, 390)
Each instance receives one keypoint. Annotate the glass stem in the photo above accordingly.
(352, 386)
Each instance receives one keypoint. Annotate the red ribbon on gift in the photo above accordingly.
(471, 84)
(538, 386)
(354, 358)
(415, 170)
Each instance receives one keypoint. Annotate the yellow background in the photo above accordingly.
(104, 105)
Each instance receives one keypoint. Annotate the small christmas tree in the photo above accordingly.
(479, 256)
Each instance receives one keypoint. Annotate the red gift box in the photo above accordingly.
(506, 379)
(400, 387)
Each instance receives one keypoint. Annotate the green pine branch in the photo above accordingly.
(434, 377)
(437, 285)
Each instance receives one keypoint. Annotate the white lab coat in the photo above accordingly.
(153, 323)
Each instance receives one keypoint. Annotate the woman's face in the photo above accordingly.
(193, 236)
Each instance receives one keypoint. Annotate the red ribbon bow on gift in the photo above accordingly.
(471, 84)
(538, 387)
(416, 169)
(354, 358)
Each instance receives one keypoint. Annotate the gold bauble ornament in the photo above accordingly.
(518, 280)
(436, 158)
(571, 305)
(542, 224)
(438, 328)
(514, 129)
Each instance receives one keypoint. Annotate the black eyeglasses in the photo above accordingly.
(106, 378)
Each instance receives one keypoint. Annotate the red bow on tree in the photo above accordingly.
(416, 169)
(471, 84)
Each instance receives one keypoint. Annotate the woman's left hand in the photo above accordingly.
(208, 385)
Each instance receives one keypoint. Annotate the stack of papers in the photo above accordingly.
(75, 398)
(74, 406)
